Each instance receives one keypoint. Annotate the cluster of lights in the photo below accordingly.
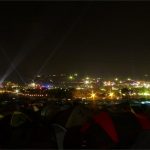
(144, 94)
(111, 95)
(93, 95)
(2, 91)
(79, 88)
(109, 83)
(32, 85)
(36, 95)
(110, 89)
(72, 77)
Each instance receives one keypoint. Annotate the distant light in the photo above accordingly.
(17, 91)
(93, 95)
(79, 88)
(87, 82)
(87, 78)
(71, 77)
(38, 76)
(129, 79)
(145, 102)
(76, 74)
(111, 94)
(144, 94)
(33, 84)
(116, 79)
(103, 89)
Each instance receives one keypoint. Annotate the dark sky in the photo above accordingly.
(102, 38)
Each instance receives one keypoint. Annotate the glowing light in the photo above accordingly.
(71, 77)
(129, 79)
(111, 94)
(145, 102)
(33, 84)
(116, 79)
(38, 76)
(93, 95)
(79, 88)
(87, 78)
(87, 82)
(103, 89)
(76, 74)
(17, 91)
(144, 94)
(146, 85)
(108, 83)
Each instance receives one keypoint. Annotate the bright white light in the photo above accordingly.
(116, 79)
(87, 82)
(16, 91)
(111, 94)
(33, 84)
(93, 95)
(70, 77)
(87, 78)
(76, 74)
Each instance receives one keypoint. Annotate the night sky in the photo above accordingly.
(98, 38)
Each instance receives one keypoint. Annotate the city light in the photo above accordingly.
(144, 94)
(93, 95)
(87, 82)
(106, 89)
(111, 95)
(116, 79)
(76, 74)
(71, 77)
(87, 78)
(33, 84)
(17, 91)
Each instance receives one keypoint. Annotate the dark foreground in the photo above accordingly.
(73, 126)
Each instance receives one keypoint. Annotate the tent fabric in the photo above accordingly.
(18, 118)
(60, 132)
(105, 121)
(85, 127)
(5, 132)
(96, 138)
(78, 117)
(144, 121)
(142, 141)
(127, 128)
(73, 138)
(122, 128)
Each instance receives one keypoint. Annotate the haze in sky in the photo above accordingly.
(103, 38)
